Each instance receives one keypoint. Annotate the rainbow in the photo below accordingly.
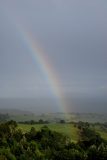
(39, 56)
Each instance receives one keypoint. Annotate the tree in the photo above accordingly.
(18, 135)
(62, 121)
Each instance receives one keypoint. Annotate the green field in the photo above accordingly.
(101, 131)
(66, 129)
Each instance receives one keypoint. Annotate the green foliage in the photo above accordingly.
(5, 154)
(32, 122)
(65, 129)
(46, 144)
(18, 135)
(62, 121)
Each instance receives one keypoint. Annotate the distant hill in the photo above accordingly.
(23, 115)
(11, 111)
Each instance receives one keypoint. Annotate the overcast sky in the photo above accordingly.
(73, 34)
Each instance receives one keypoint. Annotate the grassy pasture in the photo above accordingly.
(101, 131)
(66, 129)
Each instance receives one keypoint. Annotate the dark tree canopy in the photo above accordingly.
(49, 145)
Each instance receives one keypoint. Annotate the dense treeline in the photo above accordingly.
(50, 145)
(32, 122)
